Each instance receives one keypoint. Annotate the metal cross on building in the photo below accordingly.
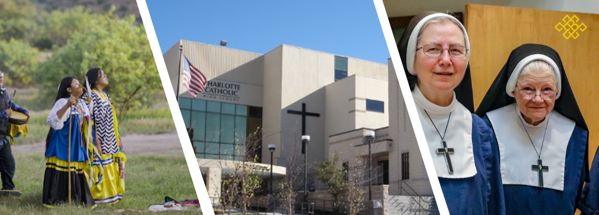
(446, 152)
(304, 113)
(540, 168)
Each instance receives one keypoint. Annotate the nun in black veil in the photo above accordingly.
(541, 134)
(462, 146)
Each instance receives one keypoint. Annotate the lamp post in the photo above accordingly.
(305, 140)
(271, 148)
(369, 137)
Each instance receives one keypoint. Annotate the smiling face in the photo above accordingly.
(440, 75)
(535, 109)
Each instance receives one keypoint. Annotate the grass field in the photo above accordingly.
(147, 121)
(156, 119)
(148, 178)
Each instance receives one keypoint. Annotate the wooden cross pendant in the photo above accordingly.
(446, 152)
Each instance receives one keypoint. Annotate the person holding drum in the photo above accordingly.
(7, 160)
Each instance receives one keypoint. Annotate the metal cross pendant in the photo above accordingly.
(540, 168)
(446, 152)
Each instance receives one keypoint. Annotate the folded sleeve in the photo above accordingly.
(53, 120)
(15, 106)
(3, 116)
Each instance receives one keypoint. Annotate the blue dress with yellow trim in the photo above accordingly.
(57, 172)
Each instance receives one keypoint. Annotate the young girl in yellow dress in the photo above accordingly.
(108, 184)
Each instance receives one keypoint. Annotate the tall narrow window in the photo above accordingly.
(340, 68)
(346, 170)
(382, 174)
(405, 165)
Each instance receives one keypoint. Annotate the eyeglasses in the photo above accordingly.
(435, 50)
(528, 93)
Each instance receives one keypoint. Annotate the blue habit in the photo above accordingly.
(483, 192)
(589, 200)
(523, 199)
(59, 142)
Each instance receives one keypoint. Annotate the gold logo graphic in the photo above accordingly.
(570, 26)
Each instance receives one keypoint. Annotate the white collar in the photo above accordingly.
(458, 136)
(517, 155)
(430, 107)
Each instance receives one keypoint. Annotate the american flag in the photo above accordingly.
(193, 79)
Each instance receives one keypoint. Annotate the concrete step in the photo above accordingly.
(400, 205)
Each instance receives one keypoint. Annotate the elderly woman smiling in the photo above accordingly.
(541, 134)
(435, 52)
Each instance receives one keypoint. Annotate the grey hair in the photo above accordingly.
(537, 68)
(440, 20)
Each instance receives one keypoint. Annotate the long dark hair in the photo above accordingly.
(92, 77)
(62, 93)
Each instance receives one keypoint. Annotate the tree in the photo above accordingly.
(119, 48)
(333, 176)
(355, 191)
(56, 27)
(17, 19)
(288, 186)
(17, 59)
(241, 185)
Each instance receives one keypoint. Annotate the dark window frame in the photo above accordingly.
(375, 106)
(405, 165)
(340, 73)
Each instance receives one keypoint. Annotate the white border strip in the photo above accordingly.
(411, 106)
(192, 162)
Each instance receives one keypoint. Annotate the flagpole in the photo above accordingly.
(179, 71)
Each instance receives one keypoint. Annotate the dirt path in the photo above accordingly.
(133, 144)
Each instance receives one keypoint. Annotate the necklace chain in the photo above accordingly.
(531, 142)
(445, 132)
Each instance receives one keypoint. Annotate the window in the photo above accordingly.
(405, 165)
(382, 175)
(375, 106)
(219, 129)
(340, 68)
(346, 170)
(185, 103)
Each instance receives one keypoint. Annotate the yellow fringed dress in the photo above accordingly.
(107, 173)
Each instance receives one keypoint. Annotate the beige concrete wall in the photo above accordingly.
(341, 106)
(374, 89)
(222, 62)
(402, 133)
(271, 109)
(216, 62)
(343, 145)
(367, 69)
(171, 59)
(305, 73)
(305, 77)
(282, 80)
